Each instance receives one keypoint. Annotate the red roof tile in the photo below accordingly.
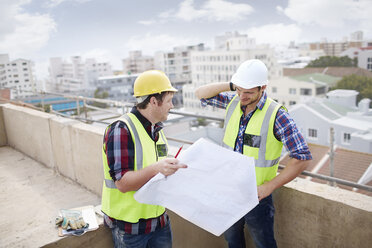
(348, 165)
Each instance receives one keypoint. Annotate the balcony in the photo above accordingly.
(50, 162)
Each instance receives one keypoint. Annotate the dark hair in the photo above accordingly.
(158, 96)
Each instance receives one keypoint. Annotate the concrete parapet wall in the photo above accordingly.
(28, 131)
(86, 141)
(60, 129)
(308, 214)
(3, 138)
(70, 147)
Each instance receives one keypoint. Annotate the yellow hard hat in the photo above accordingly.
(151, 82)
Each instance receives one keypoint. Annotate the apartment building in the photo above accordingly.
(296, 89)
(137, 63)
(219, 66)
(365, 58)
(119, 87)
(75, 74)
(352, 124)
(363, 54)
(18, 75)
(177, 65)
(234, 41)
(335, 48)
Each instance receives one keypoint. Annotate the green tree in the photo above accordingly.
(46, 107)
(361, 84)
(325, 61)
(202, 121)
(98, 93)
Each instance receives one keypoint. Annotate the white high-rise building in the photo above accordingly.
(177, 65)
(234, 41)
(356, 36)
(75, 75)
(219, 66)
(137, 63)
(18, 75)
(365, 58)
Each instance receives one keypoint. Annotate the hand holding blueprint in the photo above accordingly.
(215, 191)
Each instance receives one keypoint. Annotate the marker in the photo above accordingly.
(178, 151)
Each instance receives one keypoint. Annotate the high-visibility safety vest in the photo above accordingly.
(123, 206)
(259, 140)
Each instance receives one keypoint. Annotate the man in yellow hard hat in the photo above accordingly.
(257, 126)
(134, 150)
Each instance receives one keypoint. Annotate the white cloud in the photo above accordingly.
(221, 10)
(187, 12)
(329, 13)
(146, 22)
(166, 14)
(212, 10)
(275, 33)
(150, 43)
(55, 3)
(27, 33)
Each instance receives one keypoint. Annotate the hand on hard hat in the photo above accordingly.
(152, 82)
(250, 74)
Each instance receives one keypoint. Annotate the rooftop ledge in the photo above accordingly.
(50, 162)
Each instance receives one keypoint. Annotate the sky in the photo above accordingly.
(109, 29)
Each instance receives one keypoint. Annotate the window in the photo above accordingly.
(292, 91)
(305, 92)
(346, 138)
(320, 90)
(313, 133)
(274, 89)
(292, 103)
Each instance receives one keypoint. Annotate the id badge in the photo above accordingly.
(162, 150)
(252, 140)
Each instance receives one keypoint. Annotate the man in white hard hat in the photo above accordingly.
(134, 150)
(257, 126)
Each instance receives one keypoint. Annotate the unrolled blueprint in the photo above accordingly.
(216, 190)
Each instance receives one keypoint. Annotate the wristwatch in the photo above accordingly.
(232, 87)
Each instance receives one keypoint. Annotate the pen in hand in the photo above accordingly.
(178, 151)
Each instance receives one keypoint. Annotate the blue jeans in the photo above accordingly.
(161, 238)
(260, 223)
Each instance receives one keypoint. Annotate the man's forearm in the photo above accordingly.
(291, 171)
(133, 180)
(211, 90)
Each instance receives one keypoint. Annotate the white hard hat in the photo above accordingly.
(250, 74)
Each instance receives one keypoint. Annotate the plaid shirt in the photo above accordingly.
(285, 129)
(120, 158)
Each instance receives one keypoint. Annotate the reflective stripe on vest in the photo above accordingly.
(229, 112)
(138, 149)
(261, 161)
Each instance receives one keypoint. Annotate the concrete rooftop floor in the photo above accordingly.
(30, 197)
